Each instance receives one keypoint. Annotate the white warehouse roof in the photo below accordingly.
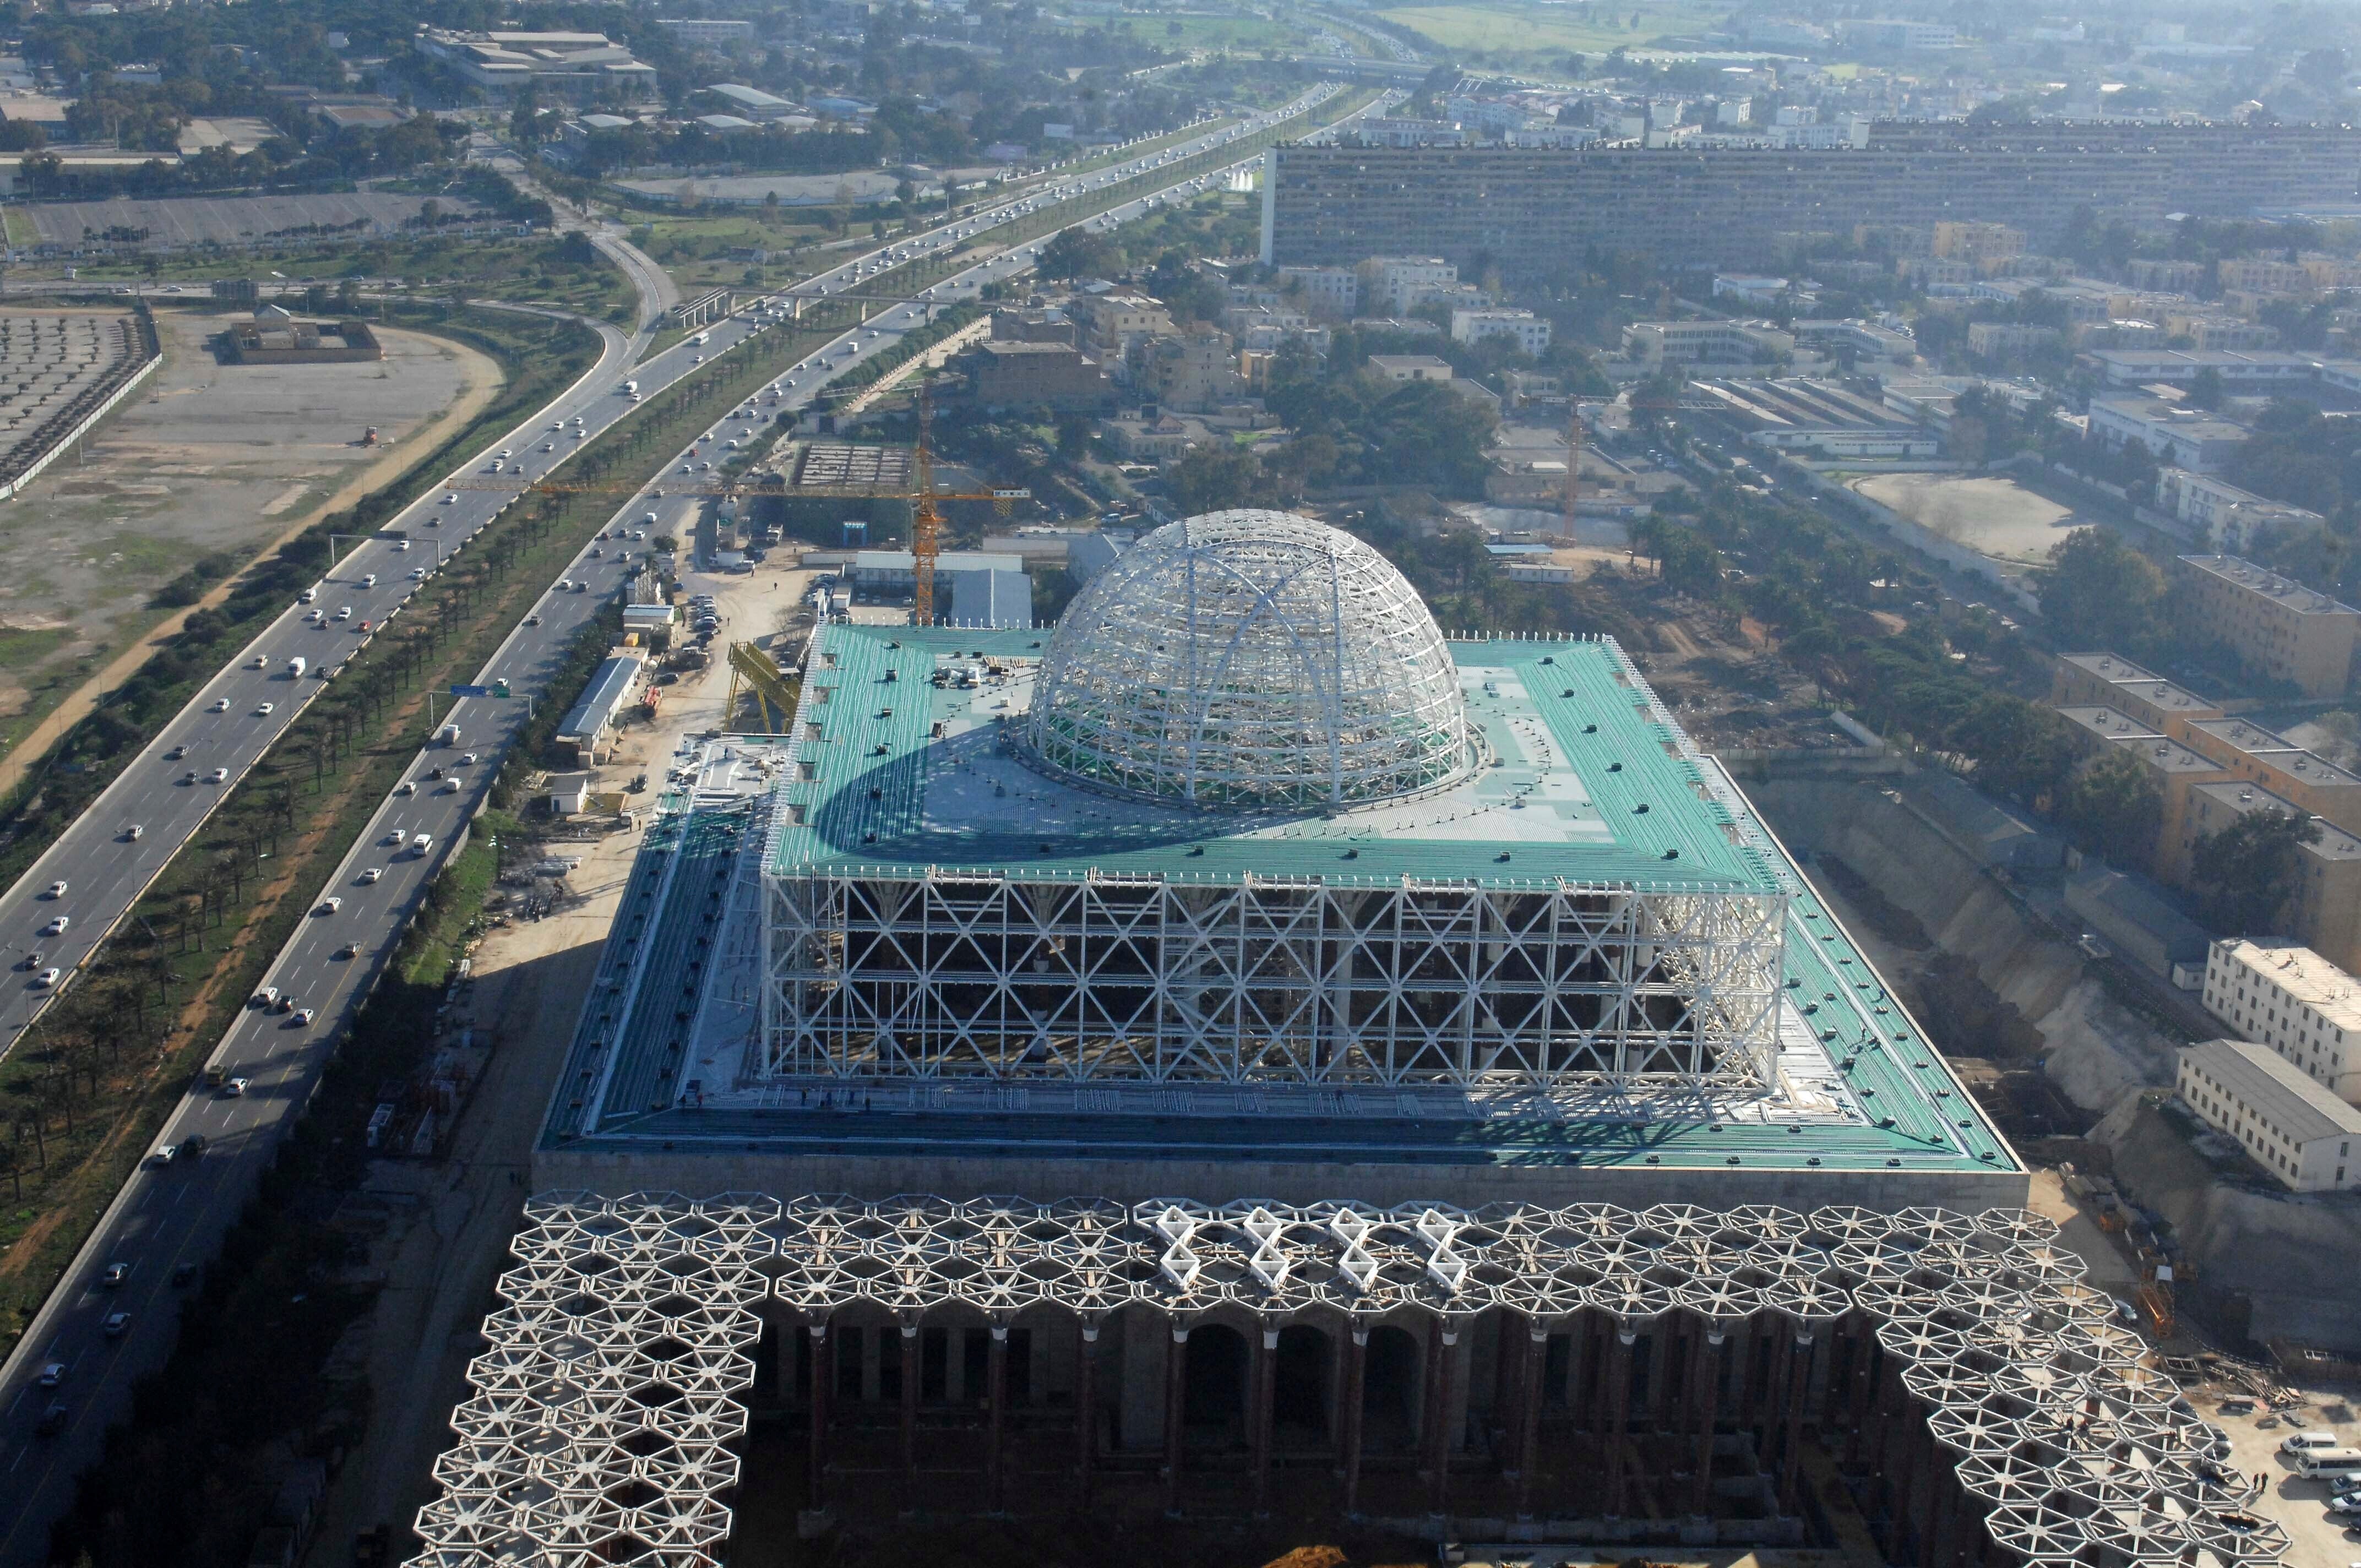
(2276, 1089)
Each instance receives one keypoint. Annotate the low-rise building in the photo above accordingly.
(2262, 757)
(2287, 630)
(1334, 292)
(2209, 329)
(1016, 325)
(2324, 908)
(2265, 275)
(1652, 345)
(714, 32)
(1116, 318)
(1527, 331)
(2224, 516)
(2111, 680)
(1865, 341)
(1399, 284)
(508, 61)
(2184, 437)
(588, 728)
(1003, 374)
(1823, 417)
(1195, 374)
(1157, 437)
(1410, 367)
(2011, 340)
(2241, 370)
(2299, 1132)
(2283, 995)
(752, 102)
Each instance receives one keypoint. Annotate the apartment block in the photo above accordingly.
(2283, 995)
(1976, 241)
(2011, 340)
(1017, 374)
(1399, 284)
(1539, 210)
(1655, 345)
(1527, 331)
(1410, 367)
(2283, 629)
(2209, 330)
(2109, 680)
(2224, 516)
(2185, 437)
(2324, 908)
(1115, 320)
(2259, 756)
(2301, 1133)
(1195, 374)
(1332, 291)
(2263, 275)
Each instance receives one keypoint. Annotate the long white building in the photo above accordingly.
(2304, 1137)
(2284, 997)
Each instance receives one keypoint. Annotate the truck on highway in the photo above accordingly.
(421, 844)
(295, 668)
(447, 736)
(216, 1074)
(631, 388)
(702, 338)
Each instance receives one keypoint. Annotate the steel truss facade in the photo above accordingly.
(1976, 1355)
(948, 974)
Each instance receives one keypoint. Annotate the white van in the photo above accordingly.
(2319, 1464)
(2302, 1442)
(421, 844)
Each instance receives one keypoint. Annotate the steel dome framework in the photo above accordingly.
(1248, 660)
(1987, 1384)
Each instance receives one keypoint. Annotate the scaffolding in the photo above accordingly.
(874, 975)
(1962, 1361)
(1251, 659)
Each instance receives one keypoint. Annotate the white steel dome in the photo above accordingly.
(1250, 659)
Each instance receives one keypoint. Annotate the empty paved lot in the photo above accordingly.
(223, 220)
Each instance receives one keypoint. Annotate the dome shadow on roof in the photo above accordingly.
(1243, 660)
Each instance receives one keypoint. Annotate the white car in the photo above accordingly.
(57, 890)
(450, 498)
(344, 612)
(263, 711)
(504, 454)
(466, 759)
(45, 979)
(56, 928)
(220, 775)
(549, 447)
(329, 905)
(402, 544)
(235, 1089)
(135, 832)
(394, 837)
(368, 581)
(221, 705)
(373, 874)
(313, 616)
(418, 574)
(405, 788)
(257, 662)
(303, 1018)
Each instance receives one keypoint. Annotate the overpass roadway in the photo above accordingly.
(169, 1216)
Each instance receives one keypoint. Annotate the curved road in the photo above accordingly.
(169, 1216)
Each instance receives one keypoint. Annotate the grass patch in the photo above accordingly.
(22, 647)
(1531, 32)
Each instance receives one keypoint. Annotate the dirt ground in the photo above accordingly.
(440, 1259)
(208, 458)
(1994, 517)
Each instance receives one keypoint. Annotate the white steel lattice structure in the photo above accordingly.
(1250, 659)
(1974, 1349)
(944, 974)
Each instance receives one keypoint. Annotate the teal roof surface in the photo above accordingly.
(1584, 779)
(1880, 1096)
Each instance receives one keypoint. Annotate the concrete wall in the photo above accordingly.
(2093, 1048)
(735, 1169)
(2292, 1256)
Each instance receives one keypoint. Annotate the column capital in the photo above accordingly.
(819, 1331)
(909, 1330)
(1271, 1339)
(1360, 1334)
(1180, 1333)
(1000, 1331)
(1089, 1333)
(1450, 1336)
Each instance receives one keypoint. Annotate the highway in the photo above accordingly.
(172, 786)
(170, 1217)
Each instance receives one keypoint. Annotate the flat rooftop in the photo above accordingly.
(665, 1054)
(2285, 592)
(1587, 779)
(2302, 974)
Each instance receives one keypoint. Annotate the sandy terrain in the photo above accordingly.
(207, 458)
(1994, 517)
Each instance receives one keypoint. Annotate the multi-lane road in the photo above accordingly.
(170, 1217)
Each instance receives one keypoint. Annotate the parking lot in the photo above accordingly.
(47, 359)
(2317, 1538)
(223, 220)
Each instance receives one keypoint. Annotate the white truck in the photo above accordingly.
(421, 844)
(448, 735)
(295, 668)
(631, 388)
(702, 338)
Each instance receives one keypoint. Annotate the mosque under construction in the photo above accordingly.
(1442, 1098)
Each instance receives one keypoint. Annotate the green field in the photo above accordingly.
(1508, 33)
(1213, 33)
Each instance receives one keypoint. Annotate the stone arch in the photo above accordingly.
(1390, 1391)
(1301, 1388)
(1215, 1380)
